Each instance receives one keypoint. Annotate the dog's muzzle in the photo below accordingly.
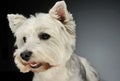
(26, 61)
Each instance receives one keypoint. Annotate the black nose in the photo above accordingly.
(26, 55)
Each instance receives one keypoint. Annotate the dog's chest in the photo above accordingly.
(52, 75)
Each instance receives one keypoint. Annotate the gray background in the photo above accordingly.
(98, 35)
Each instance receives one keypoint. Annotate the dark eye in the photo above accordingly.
(44, 36)
(24, 39)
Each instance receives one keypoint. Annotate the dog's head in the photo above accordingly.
(45, 40)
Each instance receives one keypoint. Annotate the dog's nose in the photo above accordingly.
(26, 55)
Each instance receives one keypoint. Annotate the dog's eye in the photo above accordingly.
(44, 36)
(24, 39)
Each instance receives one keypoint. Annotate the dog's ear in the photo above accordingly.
(59, 11)
(15, 21)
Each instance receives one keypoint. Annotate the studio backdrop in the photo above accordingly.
(97, 30)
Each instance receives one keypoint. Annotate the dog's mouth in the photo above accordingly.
(38, 65)
(35, 65)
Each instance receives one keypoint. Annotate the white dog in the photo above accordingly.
(46, 44)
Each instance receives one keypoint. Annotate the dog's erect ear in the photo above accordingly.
(15, 21)
(59, 11)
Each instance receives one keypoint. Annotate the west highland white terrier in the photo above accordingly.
(46, 44)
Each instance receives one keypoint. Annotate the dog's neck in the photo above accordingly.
(54, 74)
(60, 73)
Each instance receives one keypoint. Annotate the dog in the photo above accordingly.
(46, 44)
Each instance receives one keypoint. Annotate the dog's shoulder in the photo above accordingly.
(90, 70)
(83, 67)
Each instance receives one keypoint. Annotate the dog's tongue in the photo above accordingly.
(34, 65)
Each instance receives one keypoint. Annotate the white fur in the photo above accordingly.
(57, 51)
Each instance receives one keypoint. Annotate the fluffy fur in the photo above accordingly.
(51, 56)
